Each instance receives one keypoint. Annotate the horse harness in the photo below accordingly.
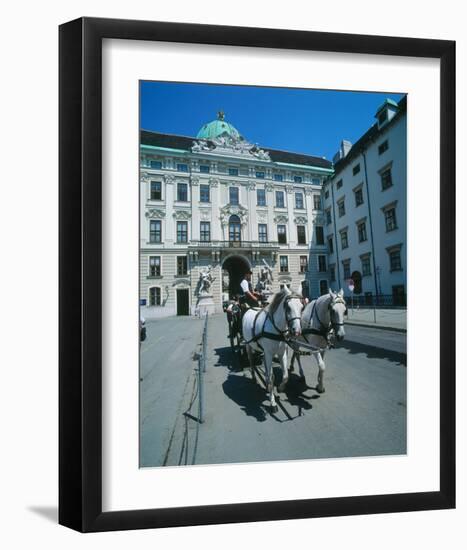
(283, 334)
(324, 331)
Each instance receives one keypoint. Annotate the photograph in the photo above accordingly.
(272, 274)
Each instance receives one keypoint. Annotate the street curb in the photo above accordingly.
(372, 325)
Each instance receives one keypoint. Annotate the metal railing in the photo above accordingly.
(234, 244)
(202, 369)
(377, 300)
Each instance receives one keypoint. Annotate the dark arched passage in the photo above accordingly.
(236, 266)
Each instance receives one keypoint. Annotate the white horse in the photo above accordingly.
(266, 331)
(318, 319)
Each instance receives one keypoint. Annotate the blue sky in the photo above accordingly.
(304, 121)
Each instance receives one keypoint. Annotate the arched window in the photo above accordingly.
(235, 231)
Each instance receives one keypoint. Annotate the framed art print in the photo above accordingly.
(256, 319)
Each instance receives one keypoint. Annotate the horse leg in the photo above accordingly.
(270, 382)
(251, 361)
(300, 368)
(285, 372)
(292, 361)
(321, 366)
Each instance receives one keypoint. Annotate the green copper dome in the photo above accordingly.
(218, 128)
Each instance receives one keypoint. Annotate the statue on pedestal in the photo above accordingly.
(205, 281)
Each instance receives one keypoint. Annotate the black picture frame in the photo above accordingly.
(80, 287)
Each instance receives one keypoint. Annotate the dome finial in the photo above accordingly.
(220, 115)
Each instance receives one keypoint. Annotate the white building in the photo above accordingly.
(365, 209)
(219, 200)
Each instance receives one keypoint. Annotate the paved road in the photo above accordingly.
(362, 413)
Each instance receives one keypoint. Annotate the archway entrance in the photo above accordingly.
(357, 279)
(236, 267)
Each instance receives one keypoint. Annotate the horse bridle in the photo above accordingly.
(333, 323)
(287, 318)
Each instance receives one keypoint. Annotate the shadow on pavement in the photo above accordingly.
(373, 352)
(248, 395)
(227, 358)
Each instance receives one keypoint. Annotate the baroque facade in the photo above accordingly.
(365, 204)
(219, 201)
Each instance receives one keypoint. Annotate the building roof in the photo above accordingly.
(218, 128)
(368, 137)
(185, 143)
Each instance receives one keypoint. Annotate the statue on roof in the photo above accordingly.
(220, 115)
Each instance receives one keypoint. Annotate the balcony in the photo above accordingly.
(244, 245)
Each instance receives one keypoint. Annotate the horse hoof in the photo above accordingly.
(275, 409)
(281, 388)
(320, 390)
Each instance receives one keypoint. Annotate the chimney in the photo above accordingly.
(344, 148)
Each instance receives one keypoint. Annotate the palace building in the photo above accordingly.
(218, 200)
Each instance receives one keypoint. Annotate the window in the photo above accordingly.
(395, 263)
(154, 266)
(383, 147)
(332, 273)
(262, 233)
(299, 201)
(316, 202)
(361, 228)
(346, 266)
(328, 216)
(323, 287)
(205, 232)
(204, 193)
(298, 179)
(261, 197)
(390, 219)
(356, 169)
(316, 181)
(233, 171)
(182, 265)
(182, 192)
(386, 179)
(155, 296)
(330, 245)
(339, 184)
(382, 117)
(366, 267)
(358, 193)
(233, 195)
(278, 177)
(321, 263)
(344, 239)
(301, 234)
(235, 229)
(181, 167)
(341, 208)
(284, 264)
(182, 232)
(280, 199)
(281, 234)
(156, 191)
(204, 168)
(155, 164)
(326, 195)
(319, 234)
(260, 175)
(155, 231)
(303, 264)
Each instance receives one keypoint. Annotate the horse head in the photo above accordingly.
(337, 309)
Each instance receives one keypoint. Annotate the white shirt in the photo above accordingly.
(244, 285)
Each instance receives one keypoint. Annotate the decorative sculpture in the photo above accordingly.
(205, 280)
